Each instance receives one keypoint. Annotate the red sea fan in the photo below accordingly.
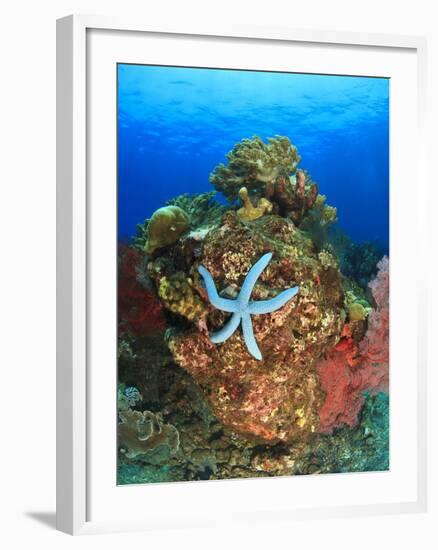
(139, 309)
(348, 371)
(343, 382)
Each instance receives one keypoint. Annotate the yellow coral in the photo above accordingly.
(250, 212)
(165, 227)
(327, 214)
(356, 312)
(179, 297)
(327, 260)
(357, 308)
(301, 418)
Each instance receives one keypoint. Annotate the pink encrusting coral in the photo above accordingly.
(350, 370)
(374, 348)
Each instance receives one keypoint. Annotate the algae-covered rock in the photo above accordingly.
(179, 297)
(278, 398)
(165, 227)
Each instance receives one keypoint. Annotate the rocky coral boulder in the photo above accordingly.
(278, 398)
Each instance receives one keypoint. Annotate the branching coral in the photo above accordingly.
(318, 220)
(294, 195)
(142, 433)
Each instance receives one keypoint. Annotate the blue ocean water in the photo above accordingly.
(176, 124)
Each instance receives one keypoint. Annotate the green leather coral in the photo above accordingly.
(254, 164)
(165, 227)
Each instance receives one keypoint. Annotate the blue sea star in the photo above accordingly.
(242, 308)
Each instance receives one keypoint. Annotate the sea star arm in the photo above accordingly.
(225, 332)
(252, 276)
(268, 306)
(218, 302)
(248, 335)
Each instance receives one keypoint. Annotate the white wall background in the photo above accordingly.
(27, 289)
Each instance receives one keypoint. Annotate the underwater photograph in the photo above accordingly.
(253, 274)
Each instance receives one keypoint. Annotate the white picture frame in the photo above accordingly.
(77, 367)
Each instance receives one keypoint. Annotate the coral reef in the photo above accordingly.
(145, 433)
(250, 212)
(374, 347)
(343, 383)
(165, 227)
(294, 195)
(203, 209)
(127, 397)
(358, 261)
(251, 340)
(357, 312)
(318, 221)
(350, 369)
(255, 164)
(276, 399)
(267, 171)
(242, 308)
(365, 448)
(208, 450)
(179, 296)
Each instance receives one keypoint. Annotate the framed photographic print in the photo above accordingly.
(240, 221)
